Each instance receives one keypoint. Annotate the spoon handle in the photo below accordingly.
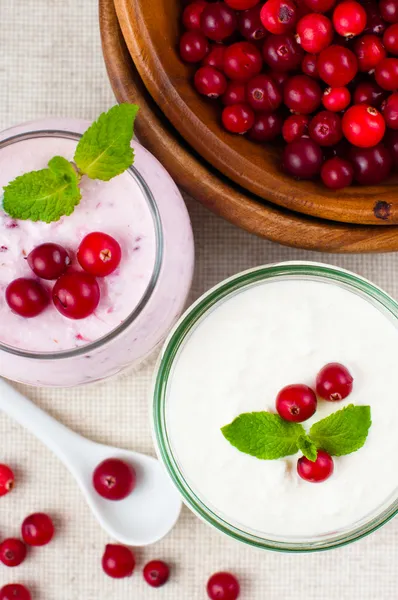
(58, 438)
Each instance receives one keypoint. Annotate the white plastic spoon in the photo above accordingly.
(142, 518)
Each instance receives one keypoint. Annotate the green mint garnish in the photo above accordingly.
(103, 152)
(267, 436)
(344, 431)
(263, 435)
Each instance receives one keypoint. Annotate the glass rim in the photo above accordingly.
(159, 245)
(169, 352)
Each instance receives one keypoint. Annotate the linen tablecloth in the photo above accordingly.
(51, 64)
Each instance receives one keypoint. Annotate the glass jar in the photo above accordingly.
(160, 303)
(163, 438)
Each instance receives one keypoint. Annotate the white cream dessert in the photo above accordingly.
(236, 360)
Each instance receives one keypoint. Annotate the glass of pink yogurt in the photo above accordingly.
(144, 211)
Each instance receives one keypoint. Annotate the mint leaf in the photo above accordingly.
(44, 195)
(263, 435)
(307, 447)
(344, 431)
(104, 151)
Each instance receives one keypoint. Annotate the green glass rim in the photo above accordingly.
(314, 271)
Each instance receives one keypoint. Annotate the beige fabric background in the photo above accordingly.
(51, 64)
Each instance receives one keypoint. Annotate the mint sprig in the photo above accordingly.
(103, 152)
(267, 436)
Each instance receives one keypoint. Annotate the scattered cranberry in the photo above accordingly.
(242, 61)
(316, 471)
(386, 74)
(389, 10)
(215, 58)
(279, 16)
(280, 77)
(321, 6)
(210, 82)
(337, 173)
(349, 18)
(37, 529)
(192, 13)
(337, 65)
(390, 39)
(296, 403)
(282, 52)
(26, 297)
(374, 21)
(218, 21)
(295, 127)
(114, 479)
(156, 573)
(336, 99)
(250, 25)
(315, 32)
(99, 254)
(390, 111)
(223, 586)
(7, 479)
(302, 94)
(325, 128)
(12, 552)
(238, 118)
(241, 4)
(48, 261)
(334, 382)
(369, 51)
(309, 66)
(15, 591)
(118, 561)
(368, 92)
(76, 295)
(234, 94)
(371, 165)
(363, 125)
(266, 127)
(302, 158)
(193, 46)
(263, 94)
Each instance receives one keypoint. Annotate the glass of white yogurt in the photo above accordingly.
(231, 353)
(145, 212)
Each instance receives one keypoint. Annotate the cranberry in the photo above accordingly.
(320, 6)
(317, 471)
(390, 39)
(250, 25)
(337, 65)
(15, 591)
(389, 10)
(218, 21)
(234, 94)
(371, 165)
(302, 158)
(118, 561)
(215, 58)
(192, 13)
(12, 552)
(308, 66)
(48, 261)
(390, 111)
(349, 18)
(370, 51)
(302, 94)
(391, 141)
(386, 74)
(295, 127)
(296, 402)
(193, 46)
(7, 480)
(315, 32)
(334, 382)
(238, 118)
(368, 92)
(363, 125)
(242, 61)
(280, 77)
(325, 128)
(336, 99)
(26, 297)
(156, 573)
(279, 16)
(76, 295)
(282, 52)
(263, 93)
(223, 586)
(241, 4)
(374, 21)
(37, 529)
(114, 479)
(337, 173)
(99, 254)
(267, 126)
(210, 82)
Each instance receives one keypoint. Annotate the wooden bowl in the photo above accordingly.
(151, 30)
(216, 193)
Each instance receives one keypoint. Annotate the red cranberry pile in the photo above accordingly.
(322, 74)
(76, 294)
(298, 402)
